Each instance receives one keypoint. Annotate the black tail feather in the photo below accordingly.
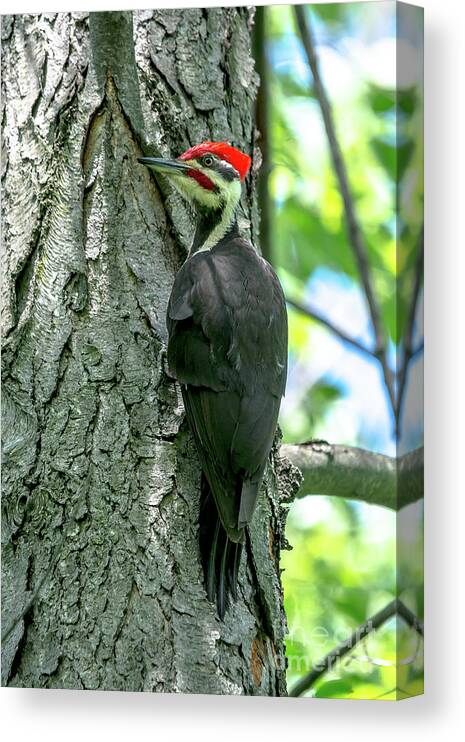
(220, 556)
(211, 568)
(233, 564)
(222, 594)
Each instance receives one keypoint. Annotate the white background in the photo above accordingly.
(88, 716)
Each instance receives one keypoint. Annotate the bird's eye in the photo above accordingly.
(207, 160)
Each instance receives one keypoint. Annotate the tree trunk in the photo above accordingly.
(102, 583)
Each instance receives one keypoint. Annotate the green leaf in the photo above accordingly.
(334, 689)
(302, 243)
(394, 157)
(353, 603)
(292, 87)
(386, 100)
(407, 100)
(381, 100)
(331, 13)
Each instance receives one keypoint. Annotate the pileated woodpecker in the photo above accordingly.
(227, 348)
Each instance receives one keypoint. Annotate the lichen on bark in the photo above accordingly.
(102, 584)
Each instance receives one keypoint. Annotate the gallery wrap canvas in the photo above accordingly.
(212, 366)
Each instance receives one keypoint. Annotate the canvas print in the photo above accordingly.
(212, 366)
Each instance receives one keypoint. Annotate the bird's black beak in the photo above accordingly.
(161, 165)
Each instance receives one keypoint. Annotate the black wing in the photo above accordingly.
(228, 348)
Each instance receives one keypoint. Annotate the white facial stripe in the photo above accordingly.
(215, 177)
(193, 191)
(220, 230)
(227, 196)
(228, 166)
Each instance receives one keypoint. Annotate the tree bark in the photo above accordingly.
(102, 583)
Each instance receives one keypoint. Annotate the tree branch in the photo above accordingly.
(324, 321)
(409, 618)
(336, 654)
(262, 123)
(353, 228)
(357, 474)
(408, 350)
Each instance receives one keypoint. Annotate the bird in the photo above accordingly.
(227, 348)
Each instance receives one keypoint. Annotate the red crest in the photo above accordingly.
(236, 158)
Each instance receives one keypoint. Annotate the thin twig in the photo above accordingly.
(262, 121)
(357, 474)
(324, 321)
(408, 351)
(353, 228)
(410, 618)
(336, 654)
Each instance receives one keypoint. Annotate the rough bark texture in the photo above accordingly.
(102, 583)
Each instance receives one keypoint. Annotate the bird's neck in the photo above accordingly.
(213, 226)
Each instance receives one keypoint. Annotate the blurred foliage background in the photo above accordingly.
(345, 559)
